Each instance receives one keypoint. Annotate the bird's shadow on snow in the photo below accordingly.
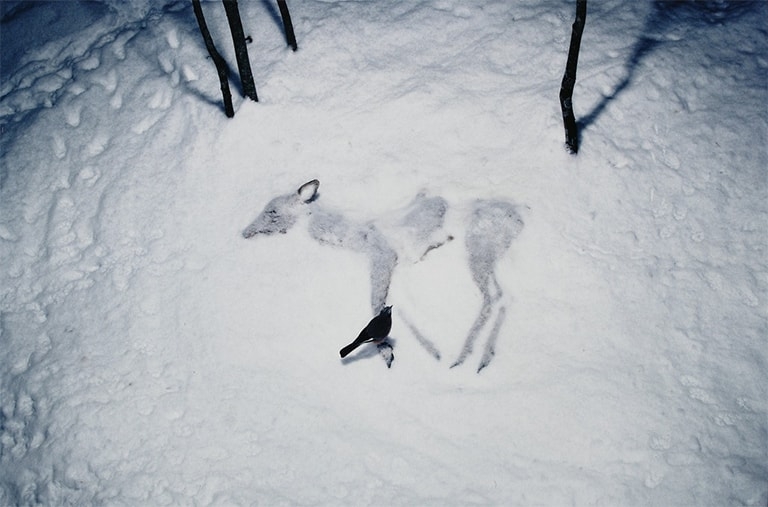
(664, 16)
(367, 351)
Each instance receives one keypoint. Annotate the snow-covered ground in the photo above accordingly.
(150, 355)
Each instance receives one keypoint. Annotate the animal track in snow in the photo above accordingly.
(116, 102)
(118, 45)
(97, 145)
(161, 99)
(91, 62)
(72, 115)
(89, 175)
(166, 61)
(145, 123)
(59, 146)
(172, 37)
(108, 81)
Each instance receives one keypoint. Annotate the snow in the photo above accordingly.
(150, 355)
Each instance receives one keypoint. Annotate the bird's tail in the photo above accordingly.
(361, 338)
(349, 348)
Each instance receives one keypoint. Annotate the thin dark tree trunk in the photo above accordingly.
(221, 65)
(290, 36)
(241, 51)
(569, 78)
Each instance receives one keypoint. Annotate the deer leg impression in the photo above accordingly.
(492, 227)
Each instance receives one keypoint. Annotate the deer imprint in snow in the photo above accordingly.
(412, 234)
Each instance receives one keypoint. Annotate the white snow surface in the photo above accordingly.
(150, 355)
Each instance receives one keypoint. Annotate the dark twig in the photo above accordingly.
(290, 36)
(569, 78)
(218, 60)
(241, 50)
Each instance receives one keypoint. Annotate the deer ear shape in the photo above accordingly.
(308, 191)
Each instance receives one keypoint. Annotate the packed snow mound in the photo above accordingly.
(149, 354)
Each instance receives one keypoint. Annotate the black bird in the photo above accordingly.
(376, 331)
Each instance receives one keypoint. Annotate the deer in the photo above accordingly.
(418, 229)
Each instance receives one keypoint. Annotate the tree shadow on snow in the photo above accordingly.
(665, 15)
(270, 6)
(222, 40)
(185, 18)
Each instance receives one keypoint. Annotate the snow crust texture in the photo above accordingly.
(615, 303)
